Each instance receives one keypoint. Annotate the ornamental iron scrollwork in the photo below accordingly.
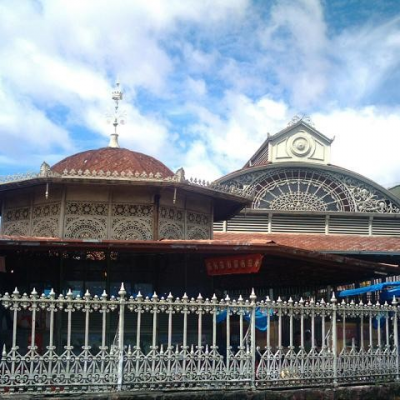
(266, 343)
(131, 221)
(18, 228)
(171, 223)
(198, 226)
(16, 221)
(41, 220)
(129, 176)
(17, 214)
(45, 220)
(312, 189)
(45, 227)
(132, 229)
(171, 231)
(81, 227)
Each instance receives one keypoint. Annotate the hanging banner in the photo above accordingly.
(240, 264)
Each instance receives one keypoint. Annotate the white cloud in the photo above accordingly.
(366, 58)
(61, 54)
(232, 140)
(197, 60)
(296, 44)
(196, 87)
(367, 141)
(319, 67)
(26, 133)
(198, 163)
(204, 80)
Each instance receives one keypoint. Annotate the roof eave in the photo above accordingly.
(234, 201)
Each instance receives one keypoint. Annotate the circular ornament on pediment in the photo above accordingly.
(301, 144)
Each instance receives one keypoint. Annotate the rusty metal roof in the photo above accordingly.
(282, 261)
(317, 242)
(112, 159)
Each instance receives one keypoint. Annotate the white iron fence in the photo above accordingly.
(69, 343)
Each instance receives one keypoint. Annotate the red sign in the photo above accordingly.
(248, 264)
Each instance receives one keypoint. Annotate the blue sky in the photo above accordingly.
(204, 81)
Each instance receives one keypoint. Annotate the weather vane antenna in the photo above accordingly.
(301, 117)
(117, 116)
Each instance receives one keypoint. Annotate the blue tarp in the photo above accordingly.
(388, 294)
(261, 318)
(373, 288)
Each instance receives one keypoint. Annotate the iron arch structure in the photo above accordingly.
(298, 187)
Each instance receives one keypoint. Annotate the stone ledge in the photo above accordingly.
(372, 392)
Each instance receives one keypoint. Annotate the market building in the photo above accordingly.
(110, 235)
(302, 200)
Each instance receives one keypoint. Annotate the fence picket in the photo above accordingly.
(189, 351)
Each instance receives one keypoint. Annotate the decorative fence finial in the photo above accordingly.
(199, 359)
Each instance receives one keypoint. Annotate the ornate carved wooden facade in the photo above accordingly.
(106, 220)
(114, 205)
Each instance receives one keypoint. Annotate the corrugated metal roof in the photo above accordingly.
(242, 244)
(317, 242)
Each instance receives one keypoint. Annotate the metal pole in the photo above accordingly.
(395, 334)
(139, 310)
(185, 347)
(103, 348)
(86, 346)
(228, 335)
(154, 346)
(51, 347)
(334, 338)
(120, 371)
(253, 299)
(32, 348)
(15, 308)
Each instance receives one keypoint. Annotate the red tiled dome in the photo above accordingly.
(112, 159)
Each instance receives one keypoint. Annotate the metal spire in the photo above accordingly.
(116, 95)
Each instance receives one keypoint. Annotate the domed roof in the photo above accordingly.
(112, 159)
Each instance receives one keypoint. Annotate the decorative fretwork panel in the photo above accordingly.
(313, 189)
(45, 227)
(17, 228)
(169, 230)
(198, 233)
(132, 210)
(45, 220)
(197, 225)
(132, 229)
(85, 220)
(171, 223)
(86, 208)
(17, 214)
(132, 221)
(16, 221)
(81, 227)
